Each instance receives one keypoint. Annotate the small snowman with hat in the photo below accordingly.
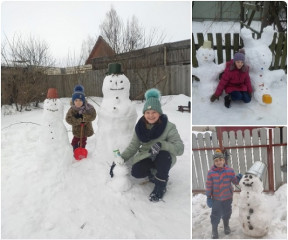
(208, 71)
(53, 133)
(254, 213)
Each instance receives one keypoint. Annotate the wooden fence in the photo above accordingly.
(232, 43)
(176, 53)
(266, 145)
(170, 80)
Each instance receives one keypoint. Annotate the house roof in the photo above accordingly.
(100, 49)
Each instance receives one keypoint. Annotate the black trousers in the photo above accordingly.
(162, 164)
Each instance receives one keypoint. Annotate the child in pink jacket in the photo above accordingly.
(235, 81)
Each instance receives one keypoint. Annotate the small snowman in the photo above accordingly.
(253, 210)
(208, 71)
(53, 133)
(117, 115)
(119, 172)
(259, 59)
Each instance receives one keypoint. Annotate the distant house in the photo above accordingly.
(100, 49)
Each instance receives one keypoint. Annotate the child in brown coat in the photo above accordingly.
(80, 112)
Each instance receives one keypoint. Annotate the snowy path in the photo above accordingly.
(43, 202)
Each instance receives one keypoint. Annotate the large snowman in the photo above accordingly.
(116, 121)
(259, 58)
(253, 210)
(117, 115)
(208, 72)
(53, 138)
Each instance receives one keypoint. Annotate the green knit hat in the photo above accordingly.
(152, 97)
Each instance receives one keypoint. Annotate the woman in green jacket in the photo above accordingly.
(154, 146)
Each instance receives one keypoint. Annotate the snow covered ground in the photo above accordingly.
(201, 226)
(40, 202)
(206, 113)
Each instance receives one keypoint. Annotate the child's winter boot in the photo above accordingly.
(227, 101)
(226, 227)
(214, 232)
(159, 189)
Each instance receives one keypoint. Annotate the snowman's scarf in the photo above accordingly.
(83, 109)
(145, 134)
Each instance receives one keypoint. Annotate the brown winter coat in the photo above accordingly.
(88, 117)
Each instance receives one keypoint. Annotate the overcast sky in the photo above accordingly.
(65, 24)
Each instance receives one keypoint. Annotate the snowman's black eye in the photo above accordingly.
(250, 177)
(110, 80)
(121, 81)
(245, 176)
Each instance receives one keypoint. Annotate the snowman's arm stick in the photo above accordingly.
(111, 169)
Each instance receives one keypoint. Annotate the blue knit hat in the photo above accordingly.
(152, 97)
(78, 93)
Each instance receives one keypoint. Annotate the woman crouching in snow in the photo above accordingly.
(156, 143)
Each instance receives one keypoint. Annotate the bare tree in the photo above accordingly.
(128, 37)
(133, 35)
(24, 63)
(112, 30)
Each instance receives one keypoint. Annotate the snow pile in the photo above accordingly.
(201, 225)
(78, 203)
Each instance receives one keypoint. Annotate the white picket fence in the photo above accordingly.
(244, 149)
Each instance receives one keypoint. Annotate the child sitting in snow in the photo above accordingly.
(235, 80)
(80, 112)
(219, 192)
(156, 143)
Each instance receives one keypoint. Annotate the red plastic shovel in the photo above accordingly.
(80, 153)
